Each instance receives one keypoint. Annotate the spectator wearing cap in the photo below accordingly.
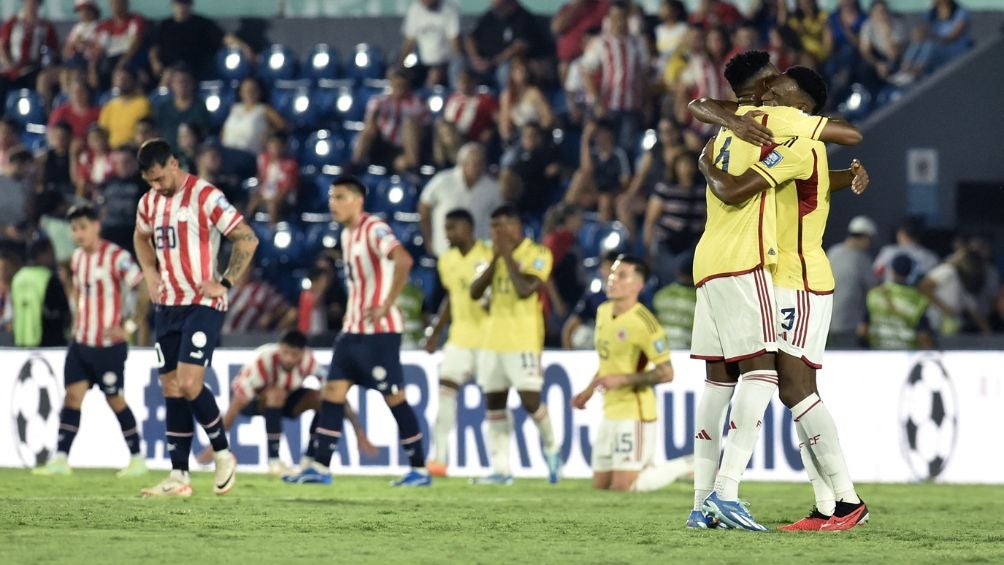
(186, 38)
(121, 114)
(182, 106)
(896, 315)
(852, 270)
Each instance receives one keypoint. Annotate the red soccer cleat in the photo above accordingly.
(846, 516)
(436, 469)
(811, 523)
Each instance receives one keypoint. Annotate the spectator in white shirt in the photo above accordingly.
(465, 186)
(433, 27)
(908, 242)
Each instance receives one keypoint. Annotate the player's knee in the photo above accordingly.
(334, 391)
(623, 482)
(116, 402)
(792, 393)
(275, 398)
(74, 398)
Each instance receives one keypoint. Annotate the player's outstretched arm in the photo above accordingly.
(855, 178)
(661, 373)
(402, 267)
(727, 188)
(723, 113)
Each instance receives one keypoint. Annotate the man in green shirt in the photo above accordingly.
(674, 306)
(41, 311)
(897, 312)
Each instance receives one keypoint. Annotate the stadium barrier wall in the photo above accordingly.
(902, 417)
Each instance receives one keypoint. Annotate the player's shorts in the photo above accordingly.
(102, 366)
(368, 360)
(734, 318)
(257, 406)
(186, 334)
(458, 364)
(624, 445)
(804, 323)
(498, 372)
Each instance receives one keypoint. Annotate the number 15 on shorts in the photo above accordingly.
(625, 443)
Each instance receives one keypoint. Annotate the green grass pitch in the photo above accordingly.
(92, 517)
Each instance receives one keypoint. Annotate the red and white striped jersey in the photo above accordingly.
(471, 115)
(186, 229)
(249, 302)
(100, 279)
(24, 40)
(622, 63)
(115, 37)
(390, 114)
(369, 272)
(266, 371)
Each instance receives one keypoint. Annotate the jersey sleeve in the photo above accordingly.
(792, 160)
(144, 213)
(222, 214)
(539, 263)
(382, 239)
(784, 121)
(655, 346)
(247, 383)
(127, 270)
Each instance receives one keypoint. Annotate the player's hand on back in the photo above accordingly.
(212, 288)
(748, 128)
(860, 182)
(579, 400)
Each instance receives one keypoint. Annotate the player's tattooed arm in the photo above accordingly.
(661, 373)
(723, 113)
(856, 178)
(727, 188)
(245, 242)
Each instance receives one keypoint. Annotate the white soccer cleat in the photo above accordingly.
(226, 472)
(178, 483)
(58, 465)
(135, 468)
(278, 468)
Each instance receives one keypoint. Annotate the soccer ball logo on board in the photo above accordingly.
(35, 409)
(928, 416)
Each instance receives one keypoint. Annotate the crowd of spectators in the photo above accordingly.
(581, 120)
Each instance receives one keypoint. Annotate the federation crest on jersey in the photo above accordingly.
(621, 335)
(538, 264)
(222, 202)
(659, 345)
(771, 160)
(380, 232)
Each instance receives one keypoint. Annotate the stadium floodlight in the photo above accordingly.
(276, 60)
(395, 195)
(649, 139)
(23, 106)
(329, 241)
(213, 102)
(410, 60)
(323, 147)
(232, 60)
(320, 59)
(436, 103)
(854, 101)
(596, 285)
(301, 103)
(344, 101)
(305, 284)
(282, 238)
(362, 59)
(612, 241)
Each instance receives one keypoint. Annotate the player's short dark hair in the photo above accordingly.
(506, 211)
(462, 214)
(352, 182)
(740, 69)
(154, 152)
(294, 339)
(639, 264)
(82, 211)
(811, 83)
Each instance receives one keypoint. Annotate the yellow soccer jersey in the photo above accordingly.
(627, 344)
(740, 238)
(517, 324)
(457, 272)
(799, 171)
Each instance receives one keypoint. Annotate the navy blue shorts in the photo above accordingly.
(102, 366)
(372, 361)
(257, 406)
(186, 334)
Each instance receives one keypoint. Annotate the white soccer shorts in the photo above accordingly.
(624, 445)
(458, 364)
(498, 372)
(734, 318)
(803, 324)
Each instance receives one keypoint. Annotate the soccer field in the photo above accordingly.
(92, 517)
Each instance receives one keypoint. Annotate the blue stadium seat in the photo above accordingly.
(34, 140)
(427, 279)
(288, 241)
(393, 195)
(559, 101)
(322, 62)
(25, 107)
(611, 237)
(435, 99)
(293, 102)
(278, 62)
(373, 178)
(858, 103)
(365, 62)
(232, 65)
(265, 254)
(324, 147)
(319, 236)
(218, 100)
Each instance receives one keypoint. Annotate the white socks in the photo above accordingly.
(543, 421)
(747, 416)
(498, 440)
(446, 420)
(708, 422)
(825, 499)
(821, 438)
(657, 477)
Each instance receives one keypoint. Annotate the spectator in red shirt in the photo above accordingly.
(118, 41)
(468, 115)
(94, 163)
(716, 13)
(570, 24)
(392, 132)
(278, 179)
(78, 111)
(26, 41)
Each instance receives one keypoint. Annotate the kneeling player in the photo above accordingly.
(271, 385)
(628, 337)
(102, 274)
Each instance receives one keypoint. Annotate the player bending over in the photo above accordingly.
(457, 269)
(629, 339)
(271, 385)
(179, 223)
(368, 351)
(105, 282)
